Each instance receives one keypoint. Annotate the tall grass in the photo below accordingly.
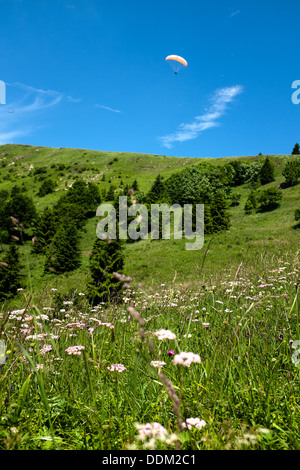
(245, 391)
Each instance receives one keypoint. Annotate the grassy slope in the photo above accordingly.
(252, 240)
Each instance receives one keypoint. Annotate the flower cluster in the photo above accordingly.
(191, 423)
(151, 432)
(186, 358)
(117, 367)
(165, 334)
(46, 348)
(158, 364)
(74, 350)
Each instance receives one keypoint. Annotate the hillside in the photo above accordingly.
(252, 240)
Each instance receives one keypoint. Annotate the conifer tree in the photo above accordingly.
(10, 276)
(44, 231)
(158, 192)
(251, 203)
(219, 212)
(63, 254)
(110, 195)
(135, 185)
(208, 222)
(267, 172)
(106, 258)
(296, 149)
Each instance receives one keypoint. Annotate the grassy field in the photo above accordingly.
(233, 304)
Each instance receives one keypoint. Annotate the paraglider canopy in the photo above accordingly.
(176, 62)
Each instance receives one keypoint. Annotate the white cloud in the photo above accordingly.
(108, 108)
(188, 131)
(7, 137)
(73, 100)
(235, 13)
(28, 102)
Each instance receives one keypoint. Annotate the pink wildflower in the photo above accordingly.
(74, 350)
(186, 358)
(194, 422)
(117, 367)
(165, 334)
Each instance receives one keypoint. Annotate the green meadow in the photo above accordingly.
(83, 377)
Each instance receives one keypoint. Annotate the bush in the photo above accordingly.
(291, 172)
(269, 199)
(251, 203)
(46, 187)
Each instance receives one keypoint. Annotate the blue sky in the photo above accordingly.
(92, 74)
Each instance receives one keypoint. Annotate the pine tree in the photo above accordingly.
(63, 254)
(219, 212)
(135, 185)
(251, 203)
(44, 231)
(208, 222)
(10, 277)
(107, 257)
(158, 192)
(267, 172)
(296, 149)
(110, 195)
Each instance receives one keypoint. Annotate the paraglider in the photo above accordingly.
(176, 62)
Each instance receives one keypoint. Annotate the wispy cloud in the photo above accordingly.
(235, 13)
(73, 100)
(188, 131)
(107, 108)
(28, 103)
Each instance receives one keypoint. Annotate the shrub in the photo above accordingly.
(251, 203)
(46, 187)
(269, 199)
(291, 172)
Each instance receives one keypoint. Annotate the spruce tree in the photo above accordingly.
(10, 277)
(219, 212)
(63, 254)
(44, 231)
(110, 195)
(296, 149)
(267, 172)
(106, 258)
(251, 203)
(135, 185)
(158, 192)
(208, 222)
